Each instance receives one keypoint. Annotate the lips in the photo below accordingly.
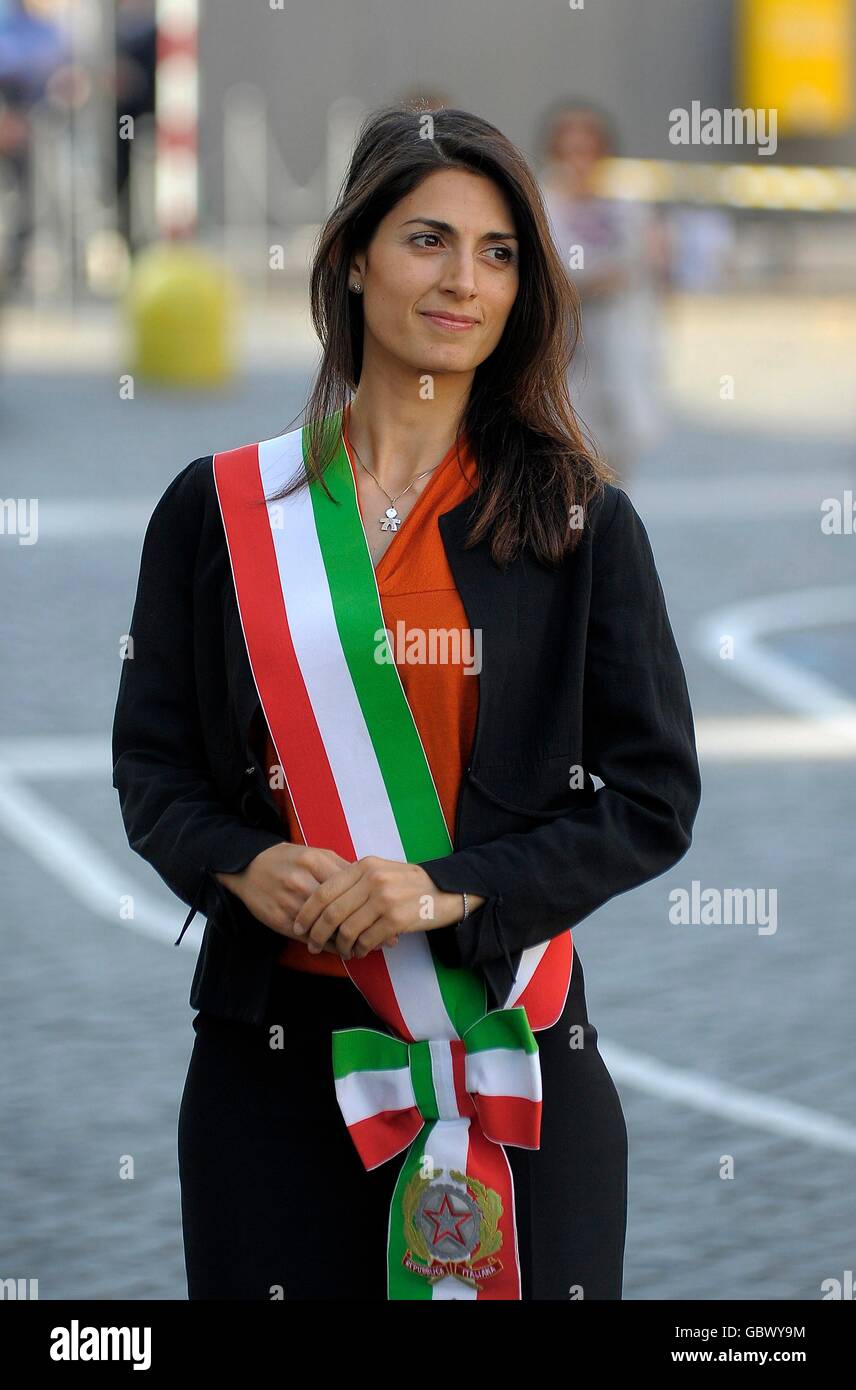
(444, 320)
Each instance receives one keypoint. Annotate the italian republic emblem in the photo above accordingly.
(451, 1229)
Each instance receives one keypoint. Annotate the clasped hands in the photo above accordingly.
(317, 897)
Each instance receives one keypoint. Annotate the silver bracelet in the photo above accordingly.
(466, 906)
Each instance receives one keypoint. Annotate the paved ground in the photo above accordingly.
(95, 1025)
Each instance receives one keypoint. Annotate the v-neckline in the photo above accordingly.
(441, 467)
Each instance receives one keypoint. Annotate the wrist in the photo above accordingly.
(229, 881)
(449, 908)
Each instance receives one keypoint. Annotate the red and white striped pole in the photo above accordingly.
(177, 117)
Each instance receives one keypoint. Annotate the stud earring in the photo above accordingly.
(358, 289)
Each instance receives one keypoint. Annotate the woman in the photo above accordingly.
(376, 665)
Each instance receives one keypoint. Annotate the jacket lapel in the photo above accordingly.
(491, 600)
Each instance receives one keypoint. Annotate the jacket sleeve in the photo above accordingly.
(172, 813)
(638, 737)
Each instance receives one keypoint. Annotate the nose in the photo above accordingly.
(459, 273)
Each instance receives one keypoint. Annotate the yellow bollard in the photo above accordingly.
(180, 305)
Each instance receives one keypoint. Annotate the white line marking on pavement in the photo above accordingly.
(772, 738)
(73, 519)
(57, 755)
(734, 498)
(743, 738)
(76, 861)
(729, 1102)
(770, 673)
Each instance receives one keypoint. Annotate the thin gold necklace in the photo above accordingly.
(391, 520)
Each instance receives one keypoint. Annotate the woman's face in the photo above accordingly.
(414, 268)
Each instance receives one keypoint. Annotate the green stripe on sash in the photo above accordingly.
(377, 684)
(403, 1283)
(366, 1049)
(508, 1028)
(359, 617)
(422, 1076)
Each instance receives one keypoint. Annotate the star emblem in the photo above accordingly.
(447, 1222)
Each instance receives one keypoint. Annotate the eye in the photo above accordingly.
(509, 258)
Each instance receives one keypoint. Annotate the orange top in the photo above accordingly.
(417, 590)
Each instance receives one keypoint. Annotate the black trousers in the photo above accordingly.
(275, 1197)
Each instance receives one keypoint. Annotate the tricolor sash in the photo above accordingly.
(447, 1082)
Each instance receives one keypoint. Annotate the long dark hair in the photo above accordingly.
(537, 468)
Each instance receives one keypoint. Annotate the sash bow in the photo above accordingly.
(387, 1089)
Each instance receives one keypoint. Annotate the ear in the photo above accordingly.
(357, 268)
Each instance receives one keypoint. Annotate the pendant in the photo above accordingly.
(392, 521)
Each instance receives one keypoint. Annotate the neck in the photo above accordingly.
(397, 434)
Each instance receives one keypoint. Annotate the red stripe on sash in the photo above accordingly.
(489, 1160)
(466, 1105)
(276, 670)
(518, 1120)
(372, 1136)
(545, 995)
(371, 977)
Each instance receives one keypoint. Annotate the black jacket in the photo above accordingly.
(580, 675)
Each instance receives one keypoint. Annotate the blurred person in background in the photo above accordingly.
(136, 52)
(614, 250)
(702, 248)
(33, 47)
(15, 210)
(424, 98)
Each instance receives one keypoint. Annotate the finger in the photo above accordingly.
(292, 897)
(375, 936)
(321, 898)
(277, 907)
(335, 919)
(353, 929)
(324, 862)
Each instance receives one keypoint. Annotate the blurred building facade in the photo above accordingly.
(280, 89)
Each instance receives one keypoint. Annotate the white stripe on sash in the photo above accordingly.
(443, 1076)
(343, 730)
(417, 989)
(362, 1094)
(353, 760)
(504, 1071)
(529, 962)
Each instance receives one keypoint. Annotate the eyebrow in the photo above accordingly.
(453, 231)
